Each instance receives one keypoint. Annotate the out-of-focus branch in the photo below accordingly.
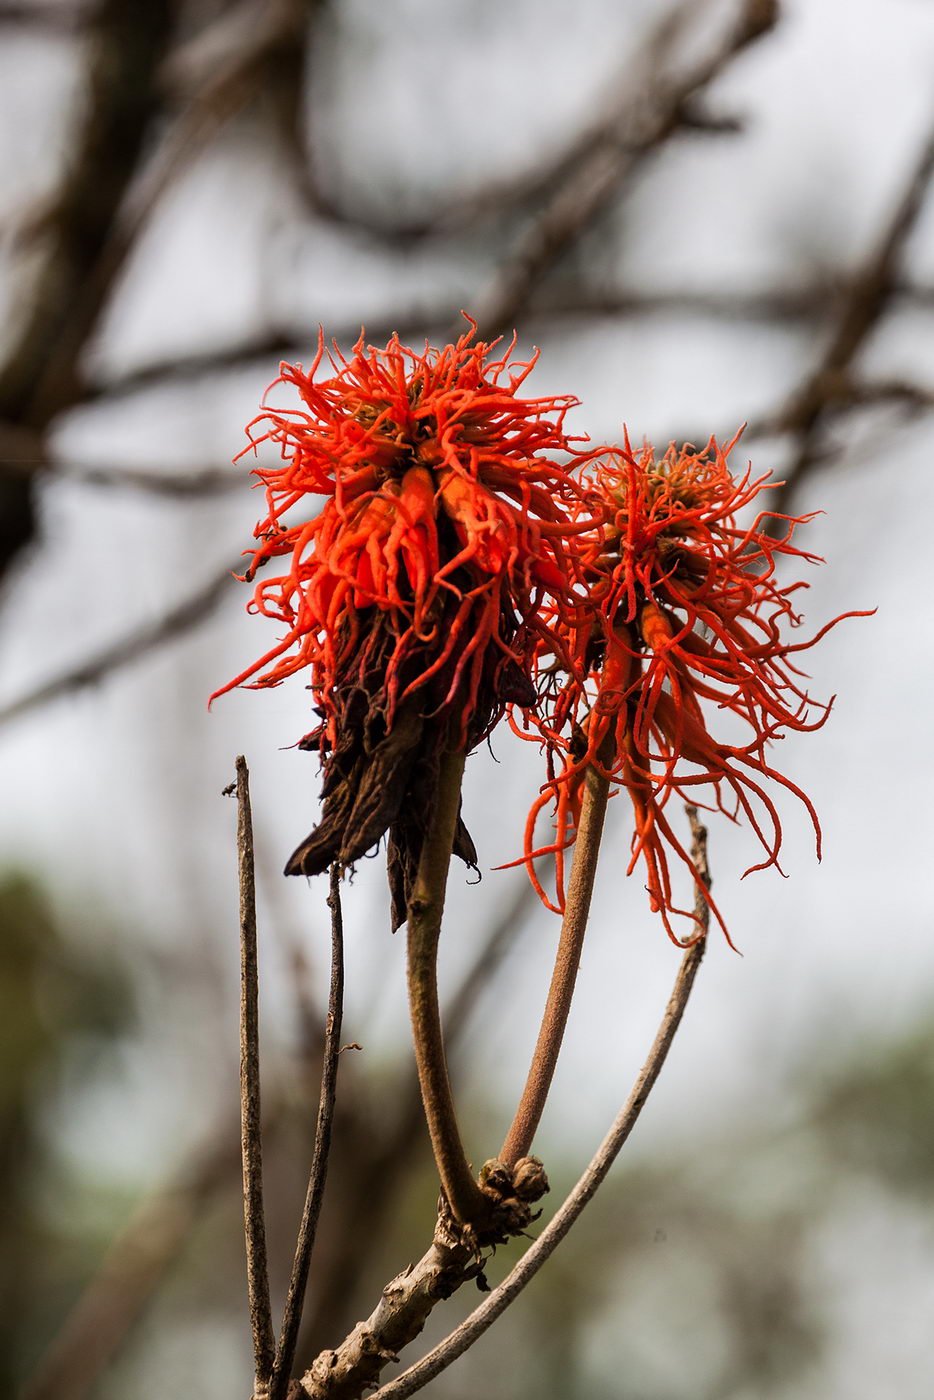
(795, 304)
(270, 345)
(199, 481)
(217, 57)
(351, 1370)
(292, 1317)
(91, 226)
(40, 373)
(453, 1346)
(251, 1138)
(287, 93)
(616, 150)
(530, 188)
(847, 395)
(917, 398)
(46, 14)
(831, 382)
(575, 186)
(133, 645)
(213, 76)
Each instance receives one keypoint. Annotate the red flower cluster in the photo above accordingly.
(443, 566)
(442, 499)
(683, 607)
(415, 595)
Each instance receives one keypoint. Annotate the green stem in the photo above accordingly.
(426, 906)
(567, 960)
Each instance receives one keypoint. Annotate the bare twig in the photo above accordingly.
(425, 911)
(453, 1346)
(251, 1148)
(144, 638)
(567, 961)
(285, 1353)
(591, 180)
(91, 225)
(847, 395)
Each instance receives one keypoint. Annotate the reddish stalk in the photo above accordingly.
(567, 961)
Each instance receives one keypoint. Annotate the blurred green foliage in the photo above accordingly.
(62, 1009)
(876, 1117)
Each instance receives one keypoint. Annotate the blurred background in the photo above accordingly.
(703, 215)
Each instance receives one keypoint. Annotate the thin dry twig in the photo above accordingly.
(463, 1337)
(292, 1317)
(138, 642)
(251, 1145)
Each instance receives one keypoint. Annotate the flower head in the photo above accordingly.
(685, 620)
(425, 520)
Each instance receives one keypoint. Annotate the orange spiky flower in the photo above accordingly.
(414, 596)
(685, 613)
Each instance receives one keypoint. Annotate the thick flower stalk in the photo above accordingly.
(425, 521)
(686, 624)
